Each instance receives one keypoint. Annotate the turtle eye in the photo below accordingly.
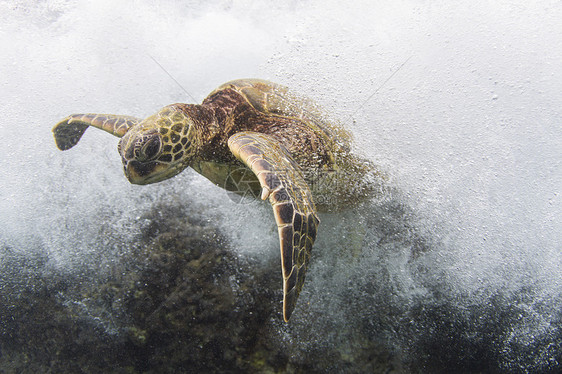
(151, 148)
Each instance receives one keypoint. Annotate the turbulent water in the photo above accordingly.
(459, 103)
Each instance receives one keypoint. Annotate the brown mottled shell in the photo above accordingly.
(274, 99)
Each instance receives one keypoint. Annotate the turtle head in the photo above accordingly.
(159, 147)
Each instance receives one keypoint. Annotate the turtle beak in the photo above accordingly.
(148, 172)
(139, 172)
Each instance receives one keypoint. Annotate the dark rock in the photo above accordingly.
(181, 301)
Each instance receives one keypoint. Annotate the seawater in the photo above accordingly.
(460, 267)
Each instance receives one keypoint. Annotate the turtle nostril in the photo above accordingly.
(129, 153)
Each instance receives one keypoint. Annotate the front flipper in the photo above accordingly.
(281, 180)
(69, 131)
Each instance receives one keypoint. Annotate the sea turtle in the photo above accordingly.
(248, 136)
